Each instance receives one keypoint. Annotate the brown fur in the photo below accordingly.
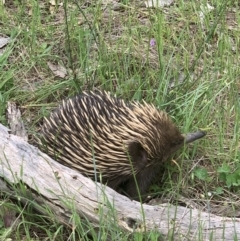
(103, 136)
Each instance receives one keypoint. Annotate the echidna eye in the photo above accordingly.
(177, 142)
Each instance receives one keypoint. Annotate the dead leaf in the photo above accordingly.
(205, 9)
(158, 3)
(58, 70)
(15, 121)
(4, 41)
(55, 3)
(8, 218)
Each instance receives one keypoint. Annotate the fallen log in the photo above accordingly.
(60, 187)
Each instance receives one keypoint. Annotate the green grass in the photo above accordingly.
(192, 72)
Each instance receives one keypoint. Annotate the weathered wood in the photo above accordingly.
(20, 161)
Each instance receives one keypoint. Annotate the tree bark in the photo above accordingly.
(62, 188)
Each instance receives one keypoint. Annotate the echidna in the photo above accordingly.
(112, 141)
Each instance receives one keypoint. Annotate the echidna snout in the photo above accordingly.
(101, 135)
